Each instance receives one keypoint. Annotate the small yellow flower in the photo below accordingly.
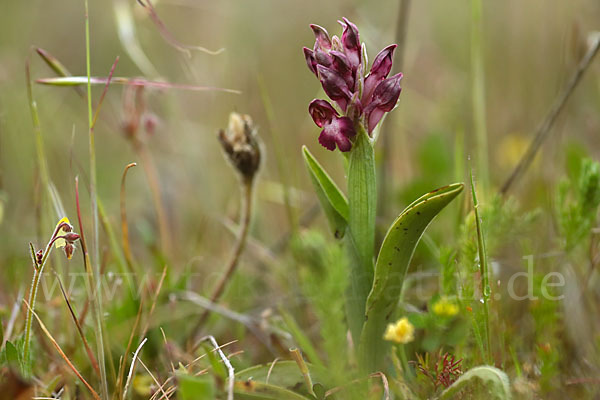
(61, 242)
(445, 308)
(400, 332)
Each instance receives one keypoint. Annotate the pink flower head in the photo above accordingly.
(363, 98)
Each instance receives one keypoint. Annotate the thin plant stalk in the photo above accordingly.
(95, 275)
(124, 225)
(545, 127)
(483, 268)
(478, 93)
(37, 273)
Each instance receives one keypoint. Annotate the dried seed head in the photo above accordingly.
(241, 145)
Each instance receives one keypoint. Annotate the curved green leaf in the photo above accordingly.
(252, 390)
(392, 263)
(332, 199)
(284, 373)
(495, 381)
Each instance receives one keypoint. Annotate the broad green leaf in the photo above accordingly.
(332, 199)
(392, 263)
(12, 355)
(284, 374)
(362, 202)
(1, 333)
(195, 387)
(495, 381)
(253, 390)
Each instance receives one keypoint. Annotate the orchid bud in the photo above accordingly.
(322, 40)
(351, 42)
(309, 55)
(334, 86)
(341, 66)
(384, 100)
(336, 44)
(380, 69)
(337, 131)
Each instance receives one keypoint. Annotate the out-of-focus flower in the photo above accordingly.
(363, 98)
(445, 307)
(65, 237)
(400, 332)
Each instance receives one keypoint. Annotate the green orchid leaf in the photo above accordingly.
(195, 387)
(495, 384)
(252, 390)
(13, 357)
(332, 199)
(285, 374)
(390, 270)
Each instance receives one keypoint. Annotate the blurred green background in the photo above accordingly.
(529, 50)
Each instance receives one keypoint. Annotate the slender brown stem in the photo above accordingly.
(238, 248)
(124, 226)
(544, 128)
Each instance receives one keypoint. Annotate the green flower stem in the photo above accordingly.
(37, 274)
(362, 202)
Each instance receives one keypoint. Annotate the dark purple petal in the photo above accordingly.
(373, 118)
(335, 86)
(322, 37)
(321, 112)
(385, 97)
(309, 55)
(351, 43)
(387, 92)
(341, 66)
(323, 58)
(338, 132)
(379, 70)
(383, 61)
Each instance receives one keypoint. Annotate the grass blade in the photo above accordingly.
(483, 267)
(63, 355)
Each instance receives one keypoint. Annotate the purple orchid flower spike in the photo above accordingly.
(336, 130)
(384, 99)
(340, 64)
